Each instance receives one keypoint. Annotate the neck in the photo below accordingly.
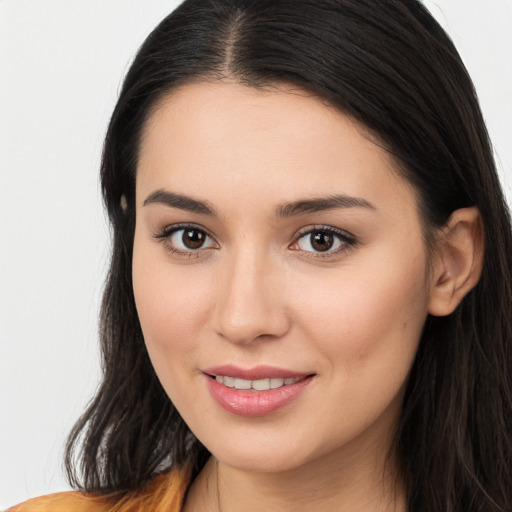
(359, 484)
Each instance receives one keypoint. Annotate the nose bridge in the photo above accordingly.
(249, 305)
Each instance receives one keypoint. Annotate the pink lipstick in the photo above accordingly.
(256, 391)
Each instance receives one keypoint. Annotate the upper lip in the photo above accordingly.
(254, 373)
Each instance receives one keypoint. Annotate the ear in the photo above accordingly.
(458, 261)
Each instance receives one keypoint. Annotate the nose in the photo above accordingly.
(251, 300)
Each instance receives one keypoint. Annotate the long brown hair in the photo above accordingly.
(389, 65)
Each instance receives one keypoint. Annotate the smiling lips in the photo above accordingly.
(255, 392)
(256, 385)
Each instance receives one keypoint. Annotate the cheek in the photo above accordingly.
(366, 327)
(369, 317)
(172, 308)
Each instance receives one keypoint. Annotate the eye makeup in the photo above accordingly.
(189, 240)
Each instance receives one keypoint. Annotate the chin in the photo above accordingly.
(256, 463)
(262, 454)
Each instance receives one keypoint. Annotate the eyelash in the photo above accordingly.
(345, 239)
(165, 235)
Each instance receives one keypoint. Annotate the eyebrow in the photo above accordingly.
(179, 201)
(285, 210)
(313, 205)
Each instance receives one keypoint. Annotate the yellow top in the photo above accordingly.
(163, 493)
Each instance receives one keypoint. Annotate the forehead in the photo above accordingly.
(227, 139)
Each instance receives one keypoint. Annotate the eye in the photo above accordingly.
(186, 240)
(189, 239)
(323, 239)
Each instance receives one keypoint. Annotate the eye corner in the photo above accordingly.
(336, 240)
(172, 237)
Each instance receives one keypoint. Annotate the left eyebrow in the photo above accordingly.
(304, 206)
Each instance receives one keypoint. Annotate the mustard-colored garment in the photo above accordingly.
(163, 493)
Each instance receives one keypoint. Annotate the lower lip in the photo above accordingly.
(255, 403)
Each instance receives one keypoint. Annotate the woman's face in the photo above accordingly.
(277, 249)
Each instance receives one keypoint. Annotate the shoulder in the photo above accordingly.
(72, 501)
(164, 492)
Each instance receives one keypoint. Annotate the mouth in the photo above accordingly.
(258, 384)
(257, 391)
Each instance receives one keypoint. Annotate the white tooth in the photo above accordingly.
(291, 380)
(276, 383)
(242, 384)
(261, 385)
(219, 378)
(229, 382)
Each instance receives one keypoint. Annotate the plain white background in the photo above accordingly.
(61, 65)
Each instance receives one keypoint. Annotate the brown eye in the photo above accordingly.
(321, 241)
(193, 238)
(328, 240)
(187, 239)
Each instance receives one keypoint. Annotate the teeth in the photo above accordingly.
(229, 382)
(261, 385)
(242, 384)
(276, 383)
(257, 385)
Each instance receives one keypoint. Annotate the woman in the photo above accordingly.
(299, 313)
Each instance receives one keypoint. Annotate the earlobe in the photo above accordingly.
(458, 262)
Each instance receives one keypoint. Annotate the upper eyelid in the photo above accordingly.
(172, 228)
(164, 234)
(348, 242)
(337, 231)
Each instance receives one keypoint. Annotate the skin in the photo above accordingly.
(258, 293)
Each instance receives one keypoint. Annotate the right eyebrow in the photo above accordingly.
(179, 201)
